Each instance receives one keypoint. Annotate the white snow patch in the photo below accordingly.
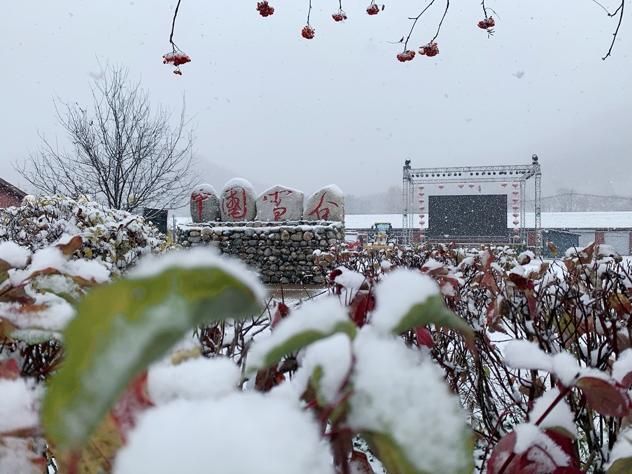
(523, 354)
(528, 436)
(398, 393)
(196, 258)
(560, 417)
(14, 254)
(19, 404)
(333, 356)
(622, 366)
(398, 292)
(321, 315)
(241, 433)
(194, 379)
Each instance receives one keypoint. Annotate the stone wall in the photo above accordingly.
(282, 253)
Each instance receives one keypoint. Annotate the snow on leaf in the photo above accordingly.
(522, 354)
(622, 368)
(401, 398)
(333, 357)
(122, 327)
(193, 379)
(254, 433)
(313, 321)
(406, 299)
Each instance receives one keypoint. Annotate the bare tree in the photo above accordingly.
(124, 153)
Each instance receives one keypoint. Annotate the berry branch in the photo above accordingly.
(618, 11)
(445, 12)
(415, 20)
(308, 31)
(173, 27)
(176, 57)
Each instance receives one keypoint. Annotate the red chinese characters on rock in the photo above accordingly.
(276, 197)
(280, 203)
(204, 204)
(326, 204)
(323, 208)
(235, 204)
(238, 201)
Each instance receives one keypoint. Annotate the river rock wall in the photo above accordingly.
(282, 253)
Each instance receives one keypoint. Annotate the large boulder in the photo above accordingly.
(326, 204)
(280, 203)
(237, 201)
(204, 204)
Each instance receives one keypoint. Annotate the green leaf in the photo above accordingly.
(433, 311)
(298, 341)
(621, 466)
(120, 329)
(390, 454)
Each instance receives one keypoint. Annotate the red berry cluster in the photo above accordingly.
(373, 9)
(431, 49)
(264, 8)
(339, 16)
(407, 55)
(176, 58)
(487, 23)
(308, 32)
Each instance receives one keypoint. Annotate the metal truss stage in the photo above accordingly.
(419, 184)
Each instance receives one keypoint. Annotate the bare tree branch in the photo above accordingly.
(618, 11)
(123, 152)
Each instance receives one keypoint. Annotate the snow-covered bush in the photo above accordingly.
(115, 237)
(394, 370)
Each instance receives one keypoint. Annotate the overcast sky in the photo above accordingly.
(275, 108)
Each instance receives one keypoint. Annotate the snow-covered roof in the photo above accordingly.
(550, 220)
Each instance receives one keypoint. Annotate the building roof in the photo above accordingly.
(550, 220)
(9, 188)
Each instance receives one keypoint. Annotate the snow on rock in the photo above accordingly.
(13, 254)
(326, 204)
(280, 203)
(322, 316)
(522, 354)
(237, 201)
(241, 433)
(19, 404)
(397, 293)
(195, 379)
(197, 258)
(333, 356)
(397, 392)
(560, 417)
(204, 204)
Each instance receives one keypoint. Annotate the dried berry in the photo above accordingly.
(308, 32)
(264, 8)
(487, 23)
(431, 49)
(407, 55)
(373, 9)
(339, 16)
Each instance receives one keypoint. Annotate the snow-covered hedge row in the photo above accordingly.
(115, 237)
